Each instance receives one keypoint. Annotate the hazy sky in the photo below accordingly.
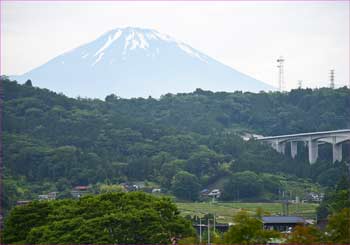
(313, 37)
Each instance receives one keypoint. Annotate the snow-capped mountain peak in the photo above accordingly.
(135, 62)
(136, 38)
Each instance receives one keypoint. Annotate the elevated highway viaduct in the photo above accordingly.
(312, 140)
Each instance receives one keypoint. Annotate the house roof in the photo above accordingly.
(282, 219)
(81, 187)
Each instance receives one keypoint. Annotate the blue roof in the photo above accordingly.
(283, 219)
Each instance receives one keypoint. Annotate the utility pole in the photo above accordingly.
(200, 230)
(208, 231)
(214, 223)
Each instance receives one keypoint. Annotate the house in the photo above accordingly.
(82, 188)
(43, 197)
(79, 191)
(314, 197)
(156, 190)
(282, 223)
(22, 202)
(204, 192)
(49, 196)
(215, 193)
(52, 195)
(130, 187)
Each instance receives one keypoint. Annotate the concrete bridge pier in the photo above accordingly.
(293, 149)
(313, 150)
(279, 146)
(337, 150)
(274, 144)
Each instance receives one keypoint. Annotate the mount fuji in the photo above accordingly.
(135, 62)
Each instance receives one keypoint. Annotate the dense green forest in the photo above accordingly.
(180, 143)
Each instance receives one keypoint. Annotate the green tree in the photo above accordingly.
(110, 188)
(28, 83)
(336, 200)
(185, 186)
(305, 235)
(248, 230)
(24, 218)
(245, 184)
(167, 172)
(339, 227)
(118, 218)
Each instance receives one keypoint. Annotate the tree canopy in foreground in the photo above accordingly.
(112, 218)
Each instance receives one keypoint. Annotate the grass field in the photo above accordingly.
(224, 211)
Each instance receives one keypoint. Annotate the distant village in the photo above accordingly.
(283, 223)
(205, 194)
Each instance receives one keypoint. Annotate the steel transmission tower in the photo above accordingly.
(300, 84)
(331, 77)
(281, 85)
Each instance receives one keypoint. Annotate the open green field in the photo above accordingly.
(225, 211)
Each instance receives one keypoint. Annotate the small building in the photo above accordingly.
(204, 192)
(282, 223)
(156, 190)
(215, 193)
(314, 197)
(79, 191)
(49, 196)
(52, 195)
(43, 197)
(130, 187)
(81, 188)
(22, 202)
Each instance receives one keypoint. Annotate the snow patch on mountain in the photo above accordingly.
(164, 37)
(191, 51)
(109, 41)
(98, 59)
(135, 40)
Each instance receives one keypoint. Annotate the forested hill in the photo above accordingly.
(301, 110)
(52, 142)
